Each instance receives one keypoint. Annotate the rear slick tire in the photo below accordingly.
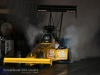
(41, 56)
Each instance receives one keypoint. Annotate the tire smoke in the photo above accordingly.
(22, 12)
(81, 42)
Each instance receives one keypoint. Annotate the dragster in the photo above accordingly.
(48, 48)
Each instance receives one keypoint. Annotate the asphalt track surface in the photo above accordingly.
(89, 66)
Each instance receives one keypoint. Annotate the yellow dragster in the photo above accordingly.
(43, 53)
(47, 49)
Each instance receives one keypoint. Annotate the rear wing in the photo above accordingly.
(57, 8)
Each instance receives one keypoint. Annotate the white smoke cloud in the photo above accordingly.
(72, 43)
(81, 42)
(32, 33)
(25, 18)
